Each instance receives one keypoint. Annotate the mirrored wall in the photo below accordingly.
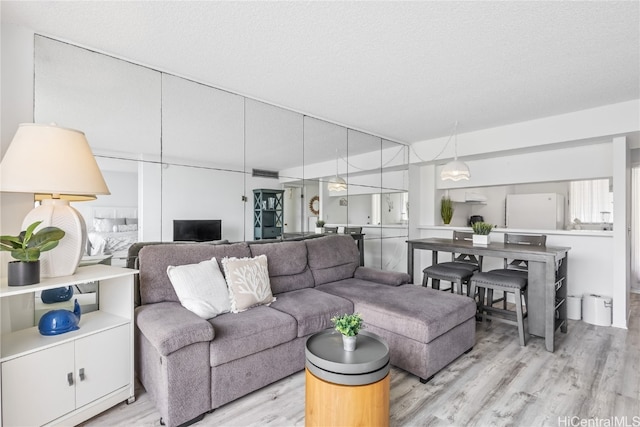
(174, 149)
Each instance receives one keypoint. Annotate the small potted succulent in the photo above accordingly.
(320, 226)
(349, 326)
(26, 248)
(481, 232)
(446, 210)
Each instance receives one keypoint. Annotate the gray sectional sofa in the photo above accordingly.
(190, 366)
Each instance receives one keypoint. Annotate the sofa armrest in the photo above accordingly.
(169, 326)
(391, 278)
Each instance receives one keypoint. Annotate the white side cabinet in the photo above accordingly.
(68, 378)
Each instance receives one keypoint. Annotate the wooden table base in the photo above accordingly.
(329, 404)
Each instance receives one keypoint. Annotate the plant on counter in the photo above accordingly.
(348, 324)
(320, 223)
(446, 210)
(482, 228)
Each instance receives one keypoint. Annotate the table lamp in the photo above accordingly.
(57, 165)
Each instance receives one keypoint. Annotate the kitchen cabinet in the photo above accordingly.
(68, 378)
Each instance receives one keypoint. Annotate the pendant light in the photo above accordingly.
(455, 170)
(337, 183)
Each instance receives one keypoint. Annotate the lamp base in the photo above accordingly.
(64, 259)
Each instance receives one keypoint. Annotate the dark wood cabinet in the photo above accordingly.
(268, 209)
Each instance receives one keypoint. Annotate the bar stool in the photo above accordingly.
(458, 271)
(499, 282)
(516, 267)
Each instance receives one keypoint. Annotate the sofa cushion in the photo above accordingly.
(155, 285)
(416, 312)
(288, 269)
(312, 309)
(239, 335)
(248, 281)
(391, 278)
(332, 258)
(201, 288)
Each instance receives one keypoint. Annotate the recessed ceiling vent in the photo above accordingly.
(262, 173)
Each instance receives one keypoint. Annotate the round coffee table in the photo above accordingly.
(346, 387)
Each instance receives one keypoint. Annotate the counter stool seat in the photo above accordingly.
(459, 264)
(510, 272)
(450, 272)
(499, 281)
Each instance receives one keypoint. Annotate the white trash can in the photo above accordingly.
(596, 309)
(574, 307)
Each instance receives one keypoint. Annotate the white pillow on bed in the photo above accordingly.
(201, 288)
(106, 225)
(126, 227)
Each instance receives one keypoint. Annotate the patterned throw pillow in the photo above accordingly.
(248, 281)
(200, 288)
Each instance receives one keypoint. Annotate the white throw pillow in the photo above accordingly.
(248, 281)
(201, 288)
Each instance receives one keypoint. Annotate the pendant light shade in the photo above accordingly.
(455, 170)
(337, 183)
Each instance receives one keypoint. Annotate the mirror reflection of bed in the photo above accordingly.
(110, 233)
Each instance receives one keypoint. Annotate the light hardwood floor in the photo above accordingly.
(592, 377)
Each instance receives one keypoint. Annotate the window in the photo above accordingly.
(591, 201)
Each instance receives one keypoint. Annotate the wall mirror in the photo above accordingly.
(171, 148)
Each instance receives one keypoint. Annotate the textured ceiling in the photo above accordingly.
(402, 70)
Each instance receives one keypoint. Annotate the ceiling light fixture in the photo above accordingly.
(337, 183)
(455, 170)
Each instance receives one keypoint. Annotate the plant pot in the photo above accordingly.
(319, 230)
(481, 239)
(349, 343)
(22, 273)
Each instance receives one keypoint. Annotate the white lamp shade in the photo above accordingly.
(51, 160)
(455, 171)
(337, 184)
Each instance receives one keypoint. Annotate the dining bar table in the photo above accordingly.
(547, 277)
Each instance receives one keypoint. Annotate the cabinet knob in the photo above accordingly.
(70, 378)
(81, 374)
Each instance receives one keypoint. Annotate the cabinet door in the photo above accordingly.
(102, 364)
(36, 387)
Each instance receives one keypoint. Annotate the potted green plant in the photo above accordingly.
(320, 226)
(446, 210)
(26, 248)
(481, 232)
(349, 326)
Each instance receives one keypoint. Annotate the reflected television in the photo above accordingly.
(197, 230)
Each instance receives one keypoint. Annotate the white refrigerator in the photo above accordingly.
(543, 211)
